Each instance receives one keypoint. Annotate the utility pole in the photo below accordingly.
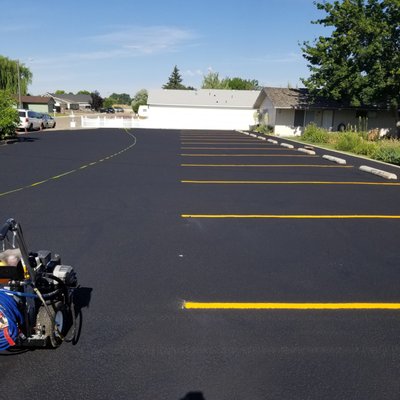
(19, 86)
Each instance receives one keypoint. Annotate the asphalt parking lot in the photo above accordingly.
(221, 266)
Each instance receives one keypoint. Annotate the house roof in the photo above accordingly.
(297, 98)
(204, 98)
(71, 98)
(35, 99)
(300, 99)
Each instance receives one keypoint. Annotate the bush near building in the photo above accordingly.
(360, 143)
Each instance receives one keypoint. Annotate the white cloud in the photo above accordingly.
(144, 40)
(189, 72)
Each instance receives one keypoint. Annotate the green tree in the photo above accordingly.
(108, 102)
(175, 80)
(9, 118)
(359, 62)
(97, 100)
(121, 98)
(140, 99)
(60, 92)
(84, 92)
(212, 81)
(243, 84)
(9, 76)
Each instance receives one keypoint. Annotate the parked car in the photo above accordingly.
(48, 121)
(29, 120)
(119, 109)
(108, 110)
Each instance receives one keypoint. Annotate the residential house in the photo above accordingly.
(201, 109)
(40, 104)
(74, 102)
(289, 111)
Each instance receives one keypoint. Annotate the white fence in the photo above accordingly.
(176, 119)
(116, 122)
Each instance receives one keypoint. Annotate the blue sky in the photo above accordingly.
(123, 46)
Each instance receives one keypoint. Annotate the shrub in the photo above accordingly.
(366, 148)
(9, 118)
(348, 141)
(314, 134)
(266, 129)
(388, 151)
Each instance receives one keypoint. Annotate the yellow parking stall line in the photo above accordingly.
(284, 216)
(268, 165)
(202, 182)
(214, 143)
(190, 305)
(266, 148)
(248, 155)
(212, 137)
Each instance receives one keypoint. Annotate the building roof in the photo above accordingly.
(204, 98)
(301, 99)
(297, 98)
(35, 99)
(71, 98)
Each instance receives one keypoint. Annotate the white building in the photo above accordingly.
(201, 109)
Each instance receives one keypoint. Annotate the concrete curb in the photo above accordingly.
(345, 153)
(379, 172)
(287, 145)
(311, 152)
(335, 159)
(262, 137)
(272, 141)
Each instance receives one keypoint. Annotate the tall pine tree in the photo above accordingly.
(175, 80)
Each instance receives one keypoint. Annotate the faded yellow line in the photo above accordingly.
(38, 183)
(61, 175)
(12, 191)
(72, 171)
(284, 216)
(289, 183)
(190, 305)
(247, 155)
(268, 165)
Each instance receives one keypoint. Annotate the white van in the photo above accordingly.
(29, 120)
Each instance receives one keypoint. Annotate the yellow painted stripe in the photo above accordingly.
(212, 137)
(268, 165)
(283, 216)
(251, 143)
(64, 174)
(72, 171)
(184, 139)
(247, 155)
(38, 183)
(190, 305)
(289, 183)
(11, 191)
(266, 148)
